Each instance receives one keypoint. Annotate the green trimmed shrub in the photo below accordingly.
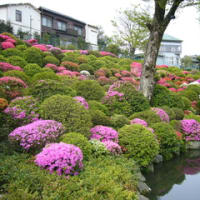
(46, 69)
(176, 124)
(95, 105)
(94, 53)
(97, 64)
(149, 116)
(70, 65)
(119, 121)
(195, 88)
(46, 88)
(44, 76)
(163, 97)
(52, 60)
(187, 103)
(66, 110)
(33, 55)
(170, 112)
(141, 144)
(193, 116)
(179, 113)
(78, 140)
(90, 90)
(169, 143)
(72, 57)
(32, 69)
(190, 94)
(87, 67)
(21, 47)
(136, 99)
(18, 74)
(82, 59)
(12, 52)
(3, 59)
(17, 61)
(99, 118)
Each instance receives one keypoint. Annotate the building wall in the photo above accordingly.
(3, 14)
(91, 36)
(31, 20)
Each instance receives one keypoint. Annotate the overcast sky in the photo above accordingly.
(95, 12)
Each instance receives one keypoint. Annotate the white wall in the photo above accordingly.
(91, 36)
(28, 13)
(3, 15)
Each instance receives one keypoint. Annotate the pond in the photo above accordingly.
(178, 179)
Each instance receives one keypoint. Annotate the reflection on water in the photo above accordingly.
(178, 179)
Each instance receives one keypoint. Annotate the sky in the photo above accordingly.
(185, 27)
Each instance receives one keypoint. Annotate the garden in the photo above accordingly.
(74, 125)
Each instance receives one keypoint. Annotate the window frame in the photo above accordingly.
(48, 21)
(18, 15)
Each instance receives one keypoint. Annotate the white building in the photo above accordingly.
(91, 36)
(170, 51)
(22, 16)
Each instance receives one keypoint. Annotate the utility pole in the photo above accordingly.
(31, 19)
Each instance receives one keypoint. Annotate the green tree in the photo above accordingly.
(164, 12)
(5, 27)
(131, 28)
(186, 61)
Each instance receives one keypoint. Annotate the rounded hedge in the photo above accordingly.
(190, 94)
(179, 114)
(169, 143)
(64, 109)
(163, 97)
(17, 61)
(44, 76)
(95, 105)
(170, 112)
(51, 59)
(149, 116)
(46, 88)
(90, 90)
(33, 55)
(141, 144)
(12, 52)
(80, 141)
(32, 69)
(187, 103)
(87, 67)
(119, 121)
(3, 59)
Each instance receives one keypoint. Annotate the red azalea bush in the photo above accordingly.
(6, 67)
(70, 65)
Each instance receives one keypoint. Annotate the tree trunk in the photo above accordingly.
(148, 70)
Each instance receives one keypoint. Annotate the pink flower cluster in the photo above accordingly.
(12, 81)
(106, 53)
(136, 69)
(60, 157)
(7, 45)
(162, 114)
(191, 129)
(68, 73)
(112, 147)
(36, 134)
(82, 101)
(104, 133)
(52, 66)
(139, 121)
(7, 66)
(42, 47)
(31, 41)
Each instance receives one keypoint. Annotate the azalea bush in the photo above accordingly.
(32, 69)
(162, 114)
(191, 129)
(37, 134)
(63, 158)
(98, 148)
(112, 147)
(17, 74)
(7, 67)
(141, 144)
(104, 133)
(119, 121)
(17, 61)
(82, 101)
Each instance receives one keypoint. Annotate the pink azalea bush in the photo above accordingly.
(162, 114)
(106, 53)
(82, 101)
(36, 134)
(7, 45)
(42, 47)
(52, 66)
(112, 147)
(7, 66)
(191, 129)
(104, 133)
(136, 69)
(12, 81)
(139, 121)
(65, 159)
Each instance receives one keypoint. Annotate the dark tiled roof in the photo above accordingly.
(60, 14)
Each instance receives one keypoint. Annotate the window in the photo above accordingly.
(78, 29)
(18, 15)
(61, 26)
(47, 21)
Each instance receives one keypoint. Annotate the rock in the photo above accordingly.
(141, 197)
(140, 177)
(194, 145)
(143, 187)
(84, 72)
(158, 159)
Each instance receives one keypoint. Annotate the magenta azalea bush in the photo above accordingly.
(65, 159)
(112, 147)
(7, 45)
(191, 129)
(82, 101)
(36, 134)
(104, 133)
(162, 114)
(12, 81)
(139, 121)
(6, 67)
